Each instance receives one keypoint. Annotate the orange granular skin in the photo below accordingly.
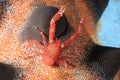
(15, 52)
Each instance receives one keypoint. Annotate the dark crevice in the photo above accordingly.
(107, 57)
(7, 72)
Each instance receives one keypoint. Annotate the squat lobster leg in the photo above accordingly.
(74, 36)
(57, 16)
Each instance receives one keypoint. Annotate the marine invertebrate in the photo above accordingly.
(51, 51)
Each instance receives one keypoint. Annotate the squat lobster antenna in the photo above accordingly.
(38, 29)
(43, 36)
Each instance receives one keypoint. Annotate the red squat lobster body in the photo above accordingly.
(51, 52)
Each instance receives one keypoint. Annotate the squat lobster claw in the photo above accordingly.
(51, 51)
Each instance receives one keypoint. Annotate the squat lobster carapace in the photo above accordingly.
(51, 52)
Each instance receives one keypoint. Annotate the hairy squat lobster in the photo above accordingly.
(51, 51)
